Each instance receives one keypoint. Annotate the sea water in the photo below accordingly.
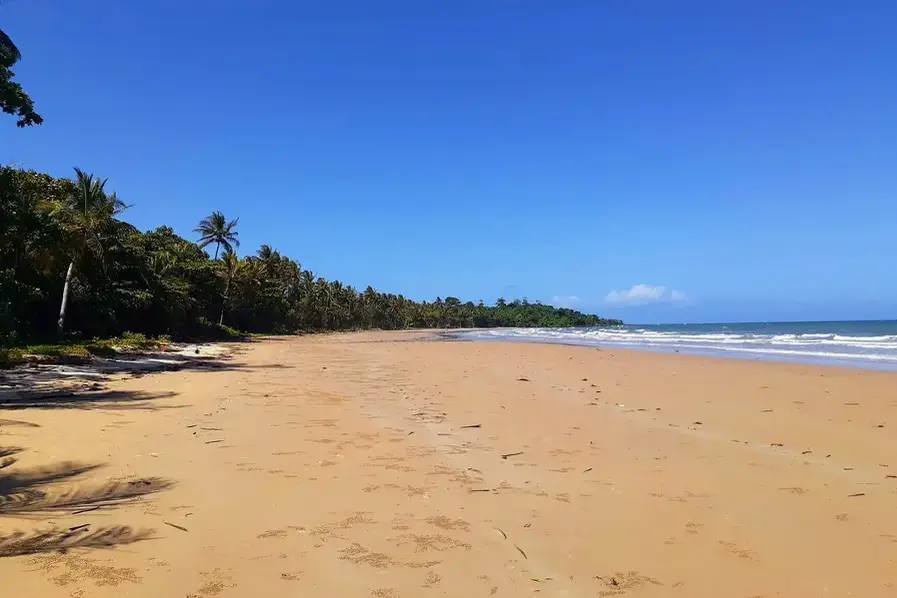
(864, 344)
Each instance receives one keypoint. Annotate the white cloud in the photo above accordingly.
(641, 294)
(571, 301)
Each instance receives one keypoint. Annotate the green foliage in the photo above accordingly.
(100, 350)
(13, 99)
(159, 285)
(205, 330)
(129, 342)
(9, 357)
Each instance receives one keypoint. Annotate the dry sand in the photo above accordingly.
(375, 465)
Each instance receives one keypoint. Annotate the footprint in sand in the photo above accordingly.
(431, 542)
(65, 570)
(216, 581)
(447, 523)
(432, 580)
(619, 583)
(741, 553)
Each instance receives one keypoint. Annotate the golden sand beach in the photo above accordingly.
(381, 464)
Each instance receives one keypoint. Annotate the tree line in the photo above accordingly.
(69, 266)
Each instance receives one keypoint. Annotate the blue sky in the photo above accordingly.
(696, 160)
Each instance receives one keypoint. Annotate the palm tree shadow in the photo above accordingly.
(35, 492)
(55, 386)
(89, 399)
(22, 544)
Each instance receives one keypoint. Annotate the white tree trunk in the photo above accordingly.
(60, 323)
(224, 304)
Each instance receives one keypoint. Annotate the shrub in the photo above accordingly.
(99, 350)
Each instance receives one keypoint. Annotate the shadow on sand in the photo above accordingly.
(83, 385)
(36, 492)
(88, 399)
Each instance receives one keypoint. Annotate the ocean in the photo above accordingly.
(859, 344)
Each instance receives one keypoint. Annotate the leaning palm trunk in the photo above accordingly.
(224, 304)
(60, 323)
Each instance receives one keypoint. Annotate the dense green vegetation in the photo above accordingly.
(70, 268)
(13, 99)
(129, 343)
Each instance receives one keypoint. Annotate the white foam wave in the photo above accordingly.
(801, 346)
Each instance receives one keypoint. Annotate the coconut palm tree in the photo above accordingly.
(218, 230)
(85, 213)
(269, 258)
(231, 263)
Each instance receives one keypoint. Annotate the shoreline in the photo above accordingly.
(364, 464)
(857, 362)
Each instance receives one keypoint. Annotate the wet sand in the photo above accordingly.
(374, 465)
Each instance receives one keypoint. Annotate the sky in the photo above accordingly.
(657, 161)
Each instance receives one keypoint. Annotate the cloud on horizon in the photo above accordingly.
(642, 294)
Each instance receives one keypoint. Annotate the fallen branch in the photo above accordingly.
(471, 426)
(506, 455)
(176, 526)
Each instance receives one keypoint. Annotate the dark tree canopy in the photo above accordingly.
(13, 99)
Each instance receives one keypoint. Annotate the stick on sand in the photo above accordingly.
(176, 526)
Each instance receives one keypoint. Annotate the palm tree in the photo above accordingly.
(84, 214)
(231, 262)
(266, 253)
(323, 302)
(306, 297)
(218, 230)
(269, 258)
